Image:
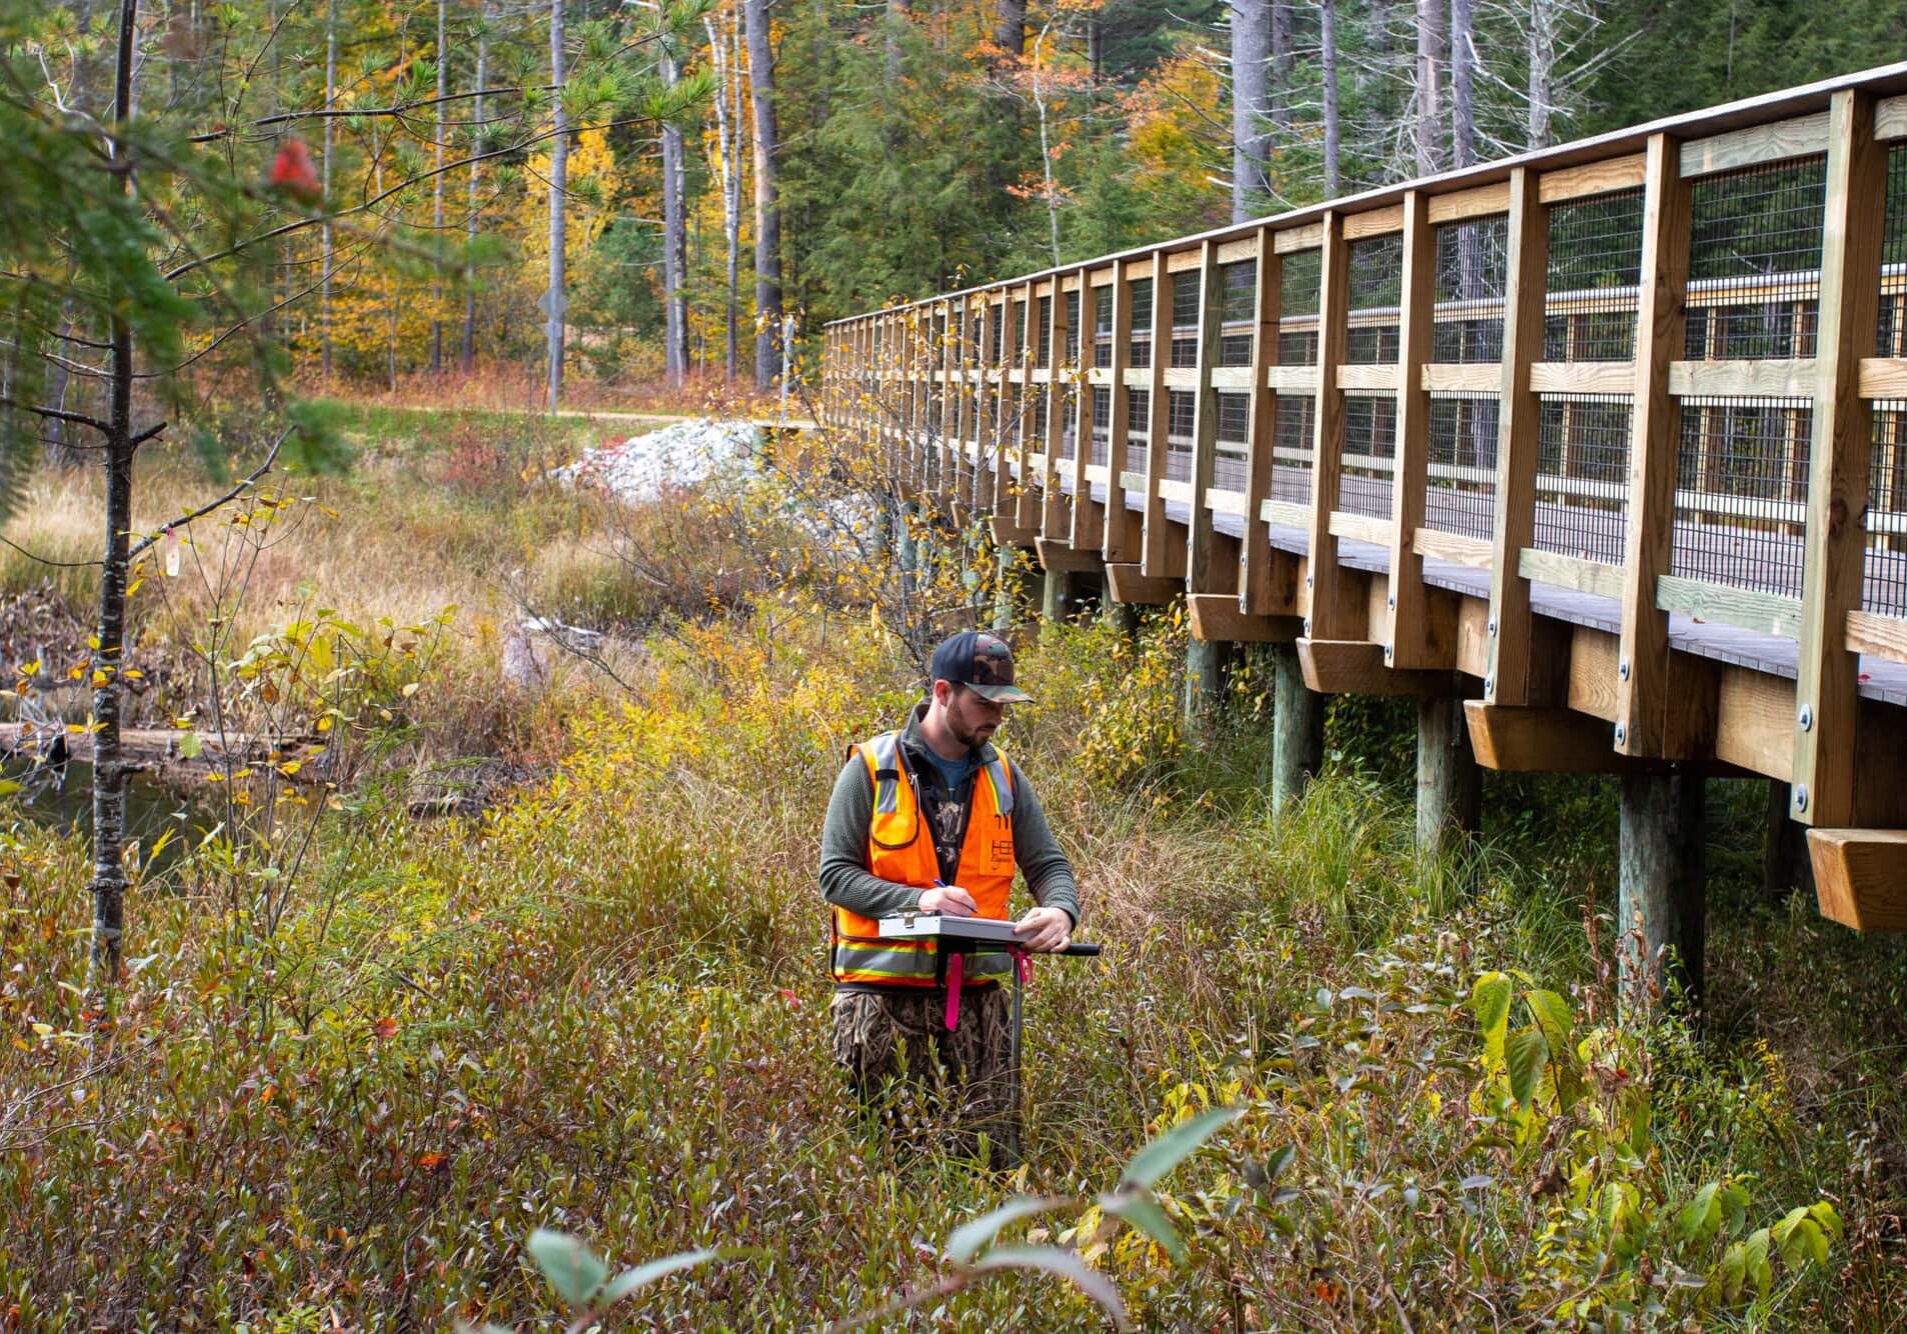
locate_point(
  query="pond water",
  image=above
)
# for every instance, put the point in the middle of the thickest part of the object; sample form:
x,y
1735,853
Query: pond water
x,y
67,806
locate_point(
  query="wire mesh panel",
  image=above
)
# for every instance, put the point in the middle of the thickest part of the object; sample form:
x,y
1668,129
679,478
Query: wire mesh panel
x,y
1181,417
1472,274
1102,423
1292,424
1138,428
1299,278
1102,327
1139,353
1043,341
1234,433
1185,311
1460,480
1885,589
1370,454
997,315
1755,261
1741,492
1375,288
1238,294
1582,475
1595,266
1068,422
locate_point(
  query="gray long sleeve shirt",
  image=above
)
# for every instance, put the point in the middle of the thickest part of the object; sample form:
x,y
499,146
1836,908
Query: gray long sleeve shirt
x,y
845,880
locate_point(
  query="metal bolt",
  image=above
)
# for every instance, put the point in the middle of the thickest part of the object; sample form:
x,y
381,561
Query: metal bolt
x,y
1392,600
1622,669
1806,717
1800,797
1622,734
1390,651
1308,581
1489,685
1493,627
1307,625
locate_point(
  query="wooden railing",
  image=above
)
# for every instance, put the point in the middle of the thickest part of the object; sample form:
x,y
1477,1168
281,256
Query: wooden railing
x,y
1615,427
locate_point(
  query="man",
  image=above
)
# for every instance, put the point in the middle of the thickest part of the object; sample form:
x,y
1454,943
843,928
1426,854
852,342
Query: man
x,y
933,819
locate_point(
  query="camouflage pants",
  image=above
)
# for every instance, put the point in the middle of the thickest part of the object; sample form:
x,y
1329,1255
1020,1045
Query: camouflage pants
x,y
930,1085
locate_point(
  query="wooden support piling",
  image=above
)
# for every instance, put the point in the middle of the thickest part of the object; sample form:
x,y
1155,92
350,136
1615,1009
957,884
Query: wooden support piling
x,y
1449,783
1661,895
1297,720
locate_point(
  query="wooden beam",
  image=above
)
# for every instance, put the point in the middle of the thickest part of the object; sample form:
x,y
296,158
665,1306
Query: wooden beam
x,y
1216,617
1860,877
1058,556
1127,583
1743,608
1375,379
1477,202
1642,687
1468,378
1026,499
1124,528
1325,609
1373,222
1799,137
1584,576
1839,455
1883,636
1583,377
1541,740
1406,641
1087,525
1210,567
1592,178
1054,520
1794,378
1255,553
1356,667
1006,533
1153,555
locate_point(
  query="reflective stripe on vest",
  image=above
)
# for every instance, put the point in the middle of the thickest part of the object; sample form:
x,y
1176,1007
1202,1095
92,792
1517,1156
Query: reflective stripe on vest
x,y
900,848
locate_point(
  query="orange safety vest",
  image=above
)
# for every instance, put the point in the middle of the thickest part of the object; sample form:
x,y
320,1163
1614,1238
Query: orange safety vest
x,y
900,848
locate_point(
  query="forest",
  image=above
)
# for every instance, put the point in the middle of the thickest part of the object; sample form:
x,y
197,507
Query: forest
x,y
437,592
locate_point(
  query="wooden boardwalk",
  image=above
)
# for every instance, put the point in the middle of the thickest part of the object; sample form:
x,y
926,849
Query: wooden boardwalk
x,y
1616,430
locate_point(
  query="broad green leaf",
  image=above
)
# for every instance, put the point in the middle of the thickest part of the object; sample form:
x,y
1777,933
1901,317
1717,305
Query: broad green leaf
x,y
644,1274
1170,1149
1830,1222
190,746
969,1237
1732,1272
1144,1213
572,1268
8,787
1701,1217
1555,1018
1800,1239
1066,1265
1755,1253
1528,1055
1734,1202
1490,999
1279,1162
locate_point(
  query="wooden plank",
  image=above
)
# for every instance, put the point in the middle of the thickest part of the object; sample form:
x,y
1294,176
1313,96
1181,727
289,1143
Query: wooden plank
x,y
1592,178
1583,377
1745,609
1590,686
1884,377
1405,635
1839,454
1183,261
1285,513
1255,554
1292,379
1088,526
1883,636
1584,576
1326,609
1799,137
1361,528
1742,379
1476,202
1289,239
1122,540
1061,557
1642,687
1470,378
1890,118
1127,583
1453,547
1157,551
1054,520
1007,533
1216,618
1233,252
1231,377
1860,877
1211,562
1374,222
1513,739
1356,667
1378,379
1754,721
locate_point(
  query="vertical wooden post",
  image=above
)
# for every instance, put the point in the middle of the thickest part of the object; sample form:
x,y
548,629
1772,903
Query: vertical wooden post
x,y
1406,639
1661,892
1153,557
1056,595
1826,681
1204,571
952,375
1297,722
1642,685
1507,677
1325,606
1088,516
1026,508
986,482
1052,498
1255,555
1449,783
1123,535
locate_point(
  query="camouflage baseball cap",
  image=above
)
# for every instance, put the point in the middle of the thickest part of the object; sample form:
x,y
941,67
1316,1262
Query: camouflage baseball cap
x,y
981,662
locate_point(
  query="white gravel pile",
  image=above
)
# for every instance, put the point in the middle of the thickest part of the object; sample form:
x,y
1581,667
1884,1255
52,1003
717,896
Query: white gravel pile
x,y
689,453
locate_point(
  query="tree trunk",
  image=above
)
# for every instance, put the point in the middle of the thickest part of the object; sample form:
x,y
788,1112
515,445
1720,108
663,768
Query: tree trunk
x,y
476,171
437,196
761,79
1463,74
109,769
674,245
1328,42
1251,53
559,189
330,103
1430,58
728,133
1281,65
1542,63
1009,26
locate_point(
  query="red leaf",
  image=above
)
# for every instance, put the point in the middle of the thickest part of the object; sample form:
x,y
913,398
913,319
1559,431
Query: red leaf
x,y
292,172
385,1028
789,995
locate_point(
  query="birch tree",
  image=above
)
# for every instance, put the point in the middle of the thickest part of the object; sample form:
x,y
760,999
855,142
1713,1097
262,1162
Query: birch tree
x,y
1252,26
727,170
557,298
761,82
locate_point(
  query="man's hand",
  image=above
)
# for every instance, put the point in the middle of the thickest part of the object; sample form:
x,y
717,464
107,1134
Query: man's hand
x,y
1044,930
949,901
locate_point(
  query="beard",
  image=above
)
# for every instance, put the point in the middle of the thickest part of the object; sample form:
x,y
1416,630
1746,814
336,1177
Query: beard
x,y
970,735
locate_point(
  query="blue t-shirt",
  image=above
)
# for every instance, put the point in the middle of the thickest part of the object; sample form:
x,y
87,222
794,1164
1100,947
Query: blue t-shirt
x,y
952,772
